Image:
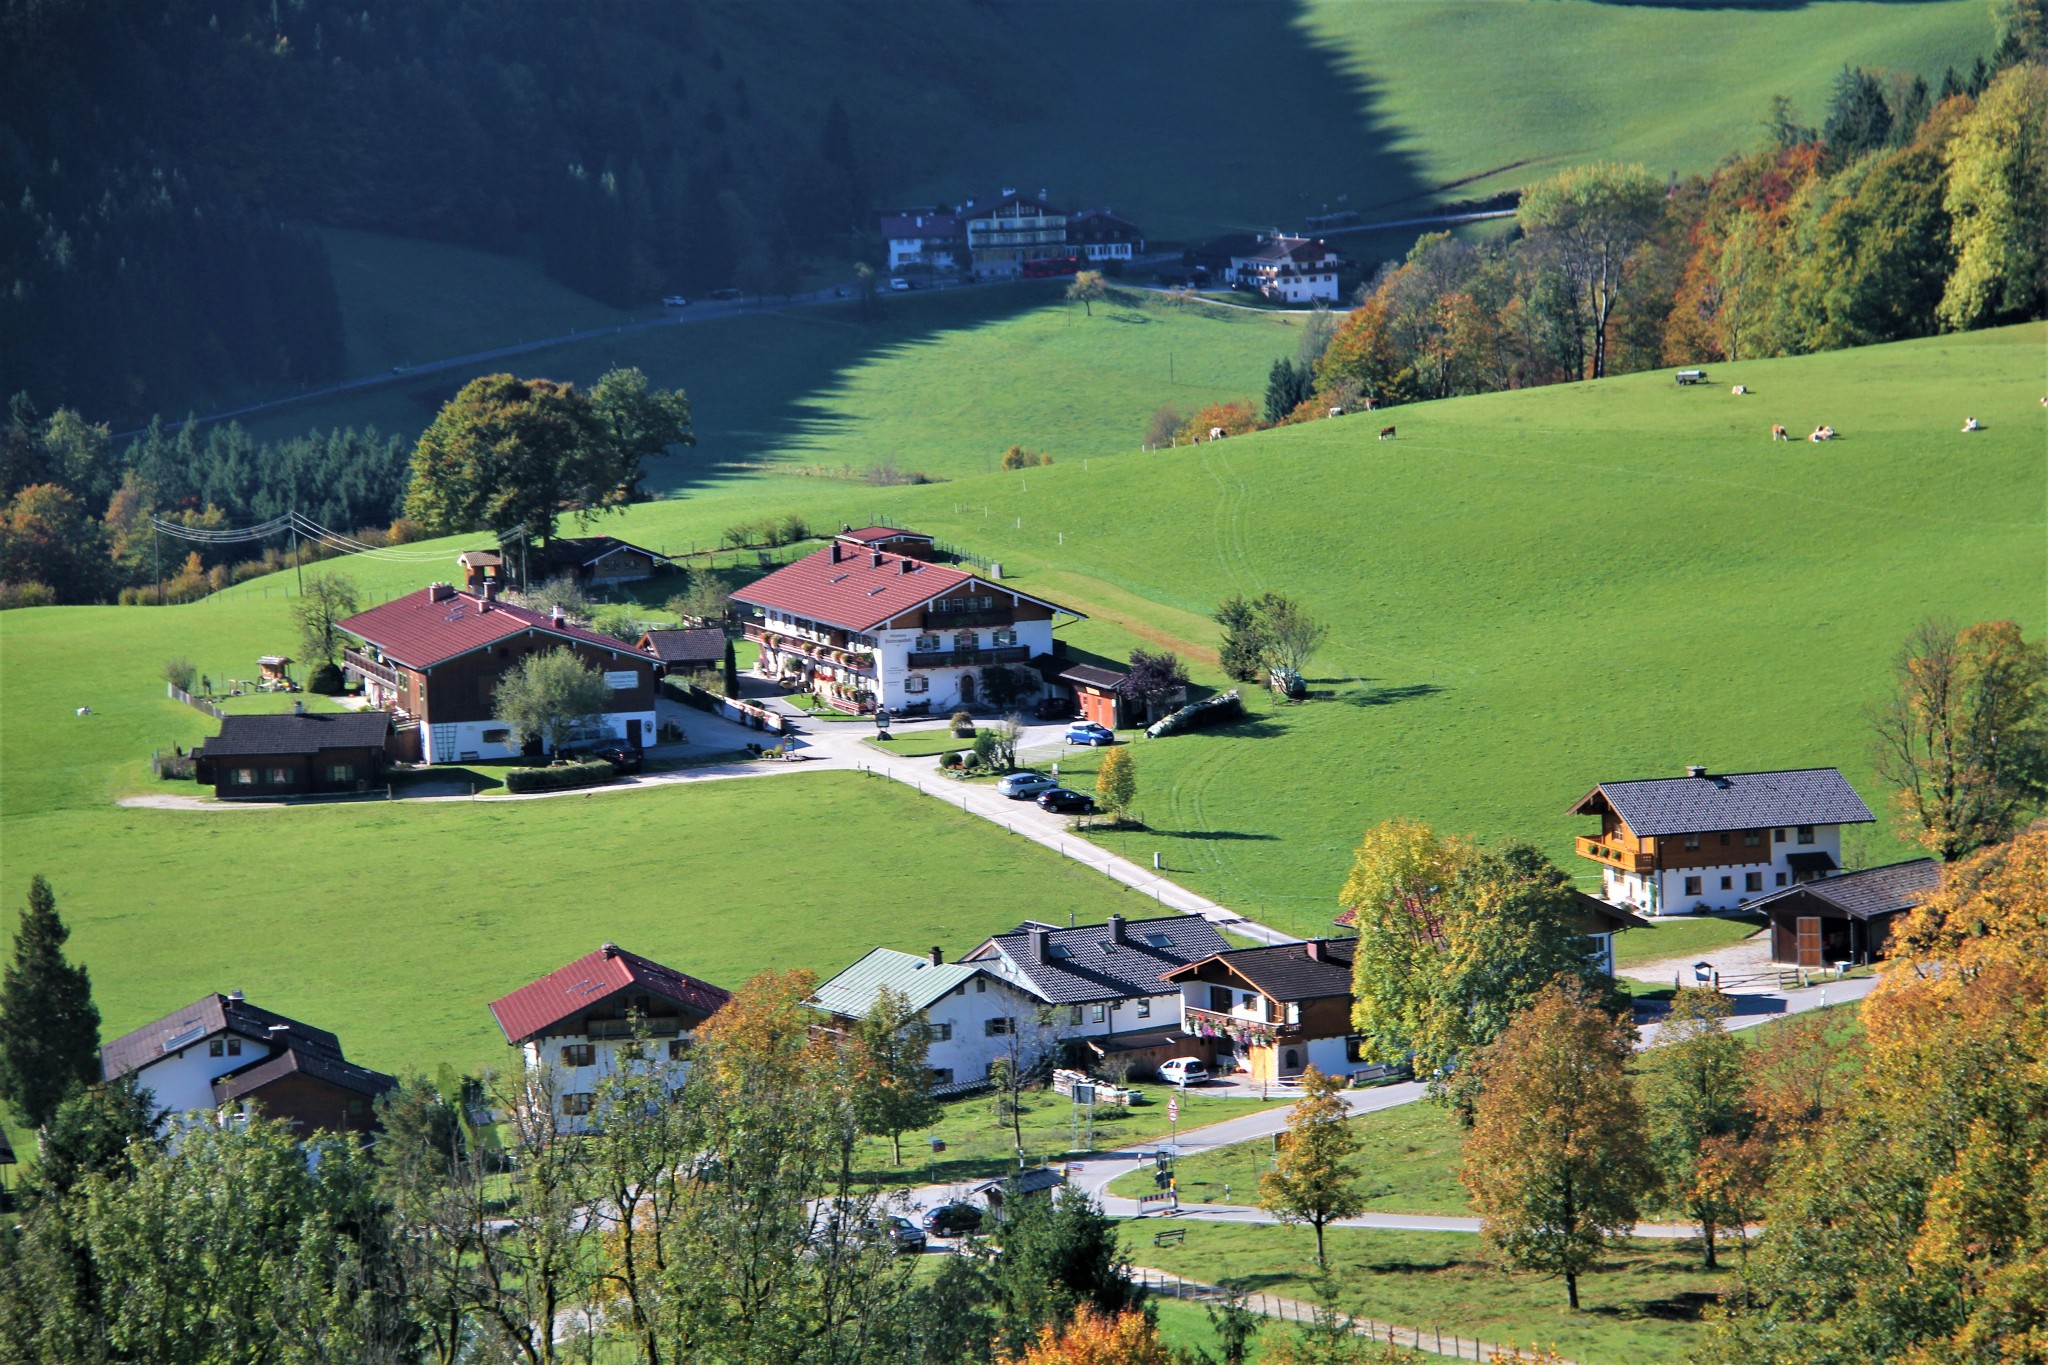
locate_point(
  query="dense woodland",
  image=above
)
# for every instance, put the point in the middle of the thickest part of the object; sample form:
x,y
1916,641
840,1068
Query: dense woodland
x,y
157,160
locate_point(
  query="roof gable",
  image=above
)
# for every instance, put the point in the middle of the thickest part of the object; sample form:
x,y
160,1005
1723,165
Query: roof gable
x,y
1287,972
591,981
1872,892
699,644
860,589
1088,962
1726,801
210,1016
420,629
923,982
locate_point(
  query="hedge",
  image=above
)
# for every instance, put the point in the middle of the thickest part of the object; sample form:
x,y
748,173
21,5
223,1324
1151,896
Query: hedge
x,y
560,777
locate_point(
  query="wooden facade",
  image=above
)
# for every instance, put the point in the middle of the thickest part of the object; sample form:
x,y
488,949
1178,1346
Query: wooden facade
x,y
241,776
464,688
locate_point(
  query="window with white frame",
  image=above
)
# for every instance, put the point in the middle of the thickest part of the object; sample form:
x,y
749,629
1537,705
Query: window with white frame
x,y
927,643
1144,1009
579,1054
1002,637
1097,1014
996,1028
942,1033
917,682
1806,834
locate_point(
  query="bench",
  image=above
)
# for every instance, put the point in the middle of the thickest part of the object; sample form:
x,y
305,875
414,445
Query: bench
x,y
1169,1237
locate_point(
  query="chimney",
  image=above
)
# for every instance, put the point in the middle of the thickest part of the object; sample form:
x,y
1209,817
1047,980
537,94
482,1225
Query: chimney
x,y
440,592
875,559
1695,770
610,950
906,565
1040,938
1315,949
938,956
837,549
557,615
236,995
488,591
1116,929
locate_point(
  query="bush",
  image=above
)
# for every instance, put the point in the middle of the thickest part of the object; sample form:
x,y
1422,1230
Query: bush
x,y
963,725
177,767
323,678
952,759
560,777
181,673
29,594
1214,711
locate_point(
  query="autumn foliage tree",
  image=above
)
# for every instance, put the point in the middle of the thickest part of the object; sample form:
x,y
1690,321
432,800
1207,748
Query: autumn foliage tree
x,y
1309,1182
1693,1105
1095,1338
1556,1162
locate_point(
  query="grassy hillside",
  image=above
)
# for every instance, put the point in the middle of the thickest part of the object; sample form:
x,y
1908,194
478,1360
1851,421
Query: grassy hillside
x,y
942,382
1480,96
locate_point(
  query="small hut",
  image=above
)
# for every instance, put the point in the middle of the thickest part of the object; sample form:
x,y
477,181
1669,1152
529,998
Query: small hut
x,y
276,672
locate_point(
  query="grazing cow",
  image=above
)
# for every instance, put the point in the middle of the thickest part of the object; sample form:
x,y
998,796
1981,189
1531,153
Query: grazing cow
x,y
1779,433
1972,424
1386,433
1739,390
1217,433
1371,403
1336,412
85,710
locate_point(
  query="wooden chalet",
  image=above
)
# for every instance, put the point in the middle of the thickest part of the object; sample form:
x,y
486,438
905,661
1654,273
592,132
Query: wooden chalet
x,y
1278,1009
295,754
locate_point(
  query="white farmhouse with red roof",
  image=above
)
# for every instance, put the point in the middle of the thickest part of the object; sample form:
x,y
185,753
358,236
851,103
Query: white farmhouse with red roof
x,y
571,1025
871,620
436,655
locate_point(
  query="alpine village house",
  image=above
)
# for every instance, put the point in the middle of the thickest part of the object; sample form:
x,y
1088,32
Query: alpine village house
x,y
1715,841
435,657
871,621
571,1025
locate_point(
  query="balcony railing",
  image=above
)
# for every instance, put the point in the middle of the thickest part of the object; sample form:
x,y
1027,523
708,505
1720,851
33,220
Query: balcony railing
x,y
354,660
969,658
1627,860
860,660
1251,1032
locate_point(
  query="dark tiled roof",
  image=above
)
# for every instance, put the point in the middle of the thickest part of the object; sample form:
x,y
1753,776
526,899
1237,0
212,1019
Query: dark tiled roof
x,y
580,550
419,630
699,645
1285,971
1094,676
304,1061
926,227
1867,894
209,1016
590,980
1610,918
1287,248
289,734
1690,805
1077,969
868,535
1037,1180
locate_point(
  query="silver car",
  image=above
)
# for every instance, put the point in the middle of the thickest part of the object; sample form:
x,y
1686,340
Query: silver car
x,y
1024,786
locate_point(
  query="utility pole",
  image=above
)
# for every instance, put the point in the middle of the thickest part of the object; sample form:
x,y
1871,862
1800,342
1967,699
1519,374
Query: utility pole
x,y
298,569
156,549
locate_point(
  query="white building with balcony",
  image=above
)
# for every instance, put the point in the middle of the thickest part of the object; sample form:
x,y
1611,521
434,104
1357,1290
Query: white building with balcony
x,y
872,621
1017,228
576,1025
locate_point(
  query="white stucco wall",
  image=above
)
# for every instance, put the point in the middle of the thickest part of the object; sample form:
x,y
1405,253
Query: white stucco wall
x,y
183,1080
463,740
569,1080
1665,892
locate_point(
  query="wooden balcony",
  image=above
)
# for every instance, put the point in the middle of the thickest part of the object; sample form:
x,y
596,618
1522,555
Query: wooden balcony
x,y
355,661
859,660
1625,860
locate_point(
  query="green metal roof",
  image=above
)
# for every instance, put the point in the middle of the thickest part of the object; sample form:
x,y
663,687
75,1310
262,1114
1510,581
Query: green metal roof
x,y
852,992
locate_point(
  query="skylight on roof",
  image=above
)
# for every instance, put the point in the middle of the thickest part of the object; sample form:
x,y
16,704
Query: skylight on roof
x,y
1060,950
1105,945
1159,940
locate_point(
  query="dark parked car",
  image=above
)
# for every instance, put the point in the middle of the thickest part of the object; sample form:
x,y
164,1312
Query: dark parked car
x,y
624,758
904,1235
952,1220
1063,801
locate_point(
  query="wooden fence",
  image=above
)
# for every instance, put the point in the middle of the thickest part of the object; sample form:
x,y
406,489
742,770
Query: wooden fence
x,y
177,693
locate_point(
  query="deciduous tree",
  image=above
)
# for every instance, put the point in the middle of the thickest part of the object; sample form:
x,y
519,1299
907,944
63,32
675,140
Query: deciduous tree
x,y
1998,198
509,454
1153,678
549,696
49,1026
638,423
1086,288
1309,1182
1292,636
1588,221
1556,1161
1092,1337
1964,735
328,598
1116,781
891,1072
1693,1108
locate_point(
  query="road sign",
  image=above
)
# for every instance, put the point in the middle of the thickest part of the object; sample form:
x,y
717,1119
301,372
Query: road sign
x,y
1173,1111
1084,1093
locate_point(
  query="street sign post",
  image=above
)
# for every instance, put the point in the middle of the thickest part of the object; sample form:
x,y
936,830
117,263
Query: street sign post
x,y
1173,1117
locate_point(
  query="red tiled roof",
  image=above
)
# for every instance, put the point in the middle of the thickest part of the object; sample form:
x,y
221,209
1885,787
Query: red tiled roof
x,y
853,592
420,631
867,534
564,993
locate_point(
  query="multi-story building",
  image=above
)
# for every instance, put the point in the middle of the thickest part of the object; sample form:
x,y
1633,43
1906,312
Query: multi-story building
x,y
572,1025
1099,235
1274,1011
1714,841
1105,985
872,621
933,240
223,1055
974,1016
436,656
1017,228
1296,269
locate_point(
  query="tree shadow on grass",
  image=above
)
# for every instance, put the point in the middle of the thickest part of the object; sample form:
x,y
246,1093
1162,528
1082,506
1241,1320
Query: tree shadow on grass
x,y
1689,1306
1208,834
1369,694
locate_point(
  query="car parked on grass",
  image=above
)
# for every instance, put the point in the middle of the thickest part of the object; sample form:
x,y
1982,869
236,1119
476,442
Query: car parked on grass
x,y
1183,1071
900,284
1089,732
675,301
953,1220
624,758
1063,801
1024,786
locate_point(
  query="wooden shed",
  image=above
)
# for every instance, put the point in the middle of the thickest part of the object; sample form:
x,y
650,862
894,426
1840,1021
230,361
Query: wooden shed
x,y
1848,918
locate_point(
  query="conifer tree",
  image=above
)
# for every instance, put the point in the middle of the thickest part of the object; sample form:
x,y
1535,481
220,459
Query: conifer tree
x,y
49,1027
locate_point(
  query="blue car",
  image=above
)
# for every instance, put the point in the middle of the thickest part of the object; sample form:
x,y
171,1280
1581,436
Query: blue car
x,y
1088,732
